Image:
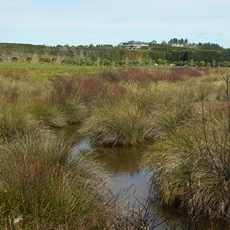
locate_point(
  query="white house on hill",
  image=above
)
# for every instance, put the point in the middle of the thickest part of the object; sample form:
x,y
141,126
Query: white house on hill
x,y
134,44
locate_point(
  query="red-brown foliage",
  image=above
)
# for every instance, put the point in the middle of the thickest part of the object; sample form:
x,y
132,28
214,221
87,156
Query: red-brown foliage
x,y
141,75
64,88
85,88
95,87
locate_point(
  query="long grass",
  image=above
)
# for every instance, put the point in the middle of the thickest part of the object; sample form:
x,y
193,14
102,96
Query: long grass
x,y
194,165
122,123
40,190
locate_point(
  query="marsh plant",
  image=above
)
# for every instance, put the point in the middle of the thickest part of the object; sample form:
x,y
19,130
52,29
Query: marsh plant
x,y
194,171
121,123
41,189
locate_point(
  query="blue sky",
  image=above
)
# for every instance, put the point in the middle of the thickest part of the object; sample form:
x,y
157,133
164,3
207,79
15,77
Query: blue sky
x,y
77,22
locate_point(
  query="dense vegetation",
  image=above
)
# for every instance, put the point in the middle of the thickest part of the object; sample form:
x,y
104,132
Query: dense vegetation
x,y
183,113
107,55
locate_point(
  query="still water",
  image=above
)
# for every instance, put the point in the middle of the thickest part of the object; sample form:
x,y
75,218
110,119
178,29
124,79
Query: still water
x,y
127,181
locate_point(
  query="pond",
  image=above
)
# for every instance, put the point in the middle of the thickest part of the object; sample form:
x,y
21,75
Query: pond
x,y
129,182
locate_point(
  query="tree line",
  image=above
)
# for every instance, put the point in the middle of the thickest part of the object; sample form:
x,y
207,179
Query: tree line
x,y
206,54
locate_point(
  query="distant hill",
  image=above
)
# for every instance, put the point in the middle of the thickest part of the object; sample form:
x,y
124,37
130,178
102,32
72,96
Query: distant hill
x,y
148,54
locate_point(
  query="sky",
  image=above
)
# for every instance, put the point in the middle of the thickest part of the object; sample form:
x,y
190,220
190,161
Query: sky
x,y
76,22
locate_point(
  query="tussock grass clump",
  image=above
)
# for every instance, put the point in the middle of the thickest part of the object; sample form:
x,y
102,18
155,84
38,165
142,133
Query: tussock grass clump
x,y
49,115
39,188
14,121
194,171
58,107
119,123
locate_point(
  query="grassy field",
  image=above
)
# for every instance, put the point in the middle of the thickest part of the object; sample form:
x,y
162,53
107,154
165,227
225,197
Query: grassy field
x,y
44,71
183,112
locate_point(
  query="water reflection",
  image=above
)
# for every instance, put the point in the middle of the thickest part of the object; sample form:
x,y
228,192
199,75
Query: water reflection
x,y
120,161
130,181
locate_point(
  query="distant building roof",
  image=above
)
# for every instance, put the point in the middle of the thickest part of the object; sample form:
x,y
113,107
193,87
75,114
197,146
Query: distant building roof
x,y
134,44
